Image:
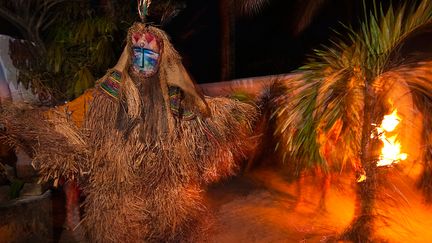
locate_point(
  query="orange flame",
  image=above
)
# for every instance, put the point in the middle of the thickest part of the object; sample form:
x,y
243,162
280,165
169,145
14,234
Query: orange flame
x,y
391,151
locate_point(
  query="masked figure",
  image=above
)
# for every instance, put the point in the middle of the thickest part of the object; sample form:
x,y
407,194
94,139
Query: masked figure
x,y
148,144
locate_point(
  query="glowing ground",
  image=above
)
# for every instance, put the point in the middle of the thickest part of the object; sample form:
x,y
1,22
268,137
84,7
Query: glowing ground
x,y
264,207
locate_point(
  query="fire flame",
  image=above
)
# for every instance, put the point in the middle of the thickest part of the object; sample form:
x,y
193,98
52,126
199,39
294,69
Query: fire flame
x,y
391,151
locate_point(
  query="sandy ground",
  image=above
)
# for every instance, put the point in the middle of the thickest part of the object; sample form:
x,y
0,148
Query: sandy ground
x,y
263,207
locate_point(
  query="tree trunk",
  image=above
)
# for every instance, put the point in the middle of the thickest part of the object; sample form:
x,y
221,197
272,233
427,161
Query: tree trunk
x,y
361,228
227,15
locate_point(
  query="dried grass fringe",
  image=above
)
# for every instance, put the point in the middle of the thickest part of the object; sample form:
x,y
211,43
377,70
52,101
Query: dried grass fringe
x,y
136,190
159,185
57,146
143,171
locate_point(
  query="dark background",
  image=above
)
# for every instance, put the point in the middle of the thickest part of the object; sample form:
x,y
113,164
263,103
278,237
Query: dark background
x,y
265,43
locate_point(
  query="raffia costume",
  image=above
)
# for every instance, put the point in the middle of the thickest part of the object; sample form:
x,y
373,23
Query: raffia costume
x,y
147,146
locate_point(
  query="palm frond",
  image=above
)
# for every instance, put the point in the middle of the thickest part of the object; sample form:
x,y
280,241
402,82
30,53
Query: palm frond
x,y
347,83
383,32
418,78
333,86
250,7
307,11
296,131
341,100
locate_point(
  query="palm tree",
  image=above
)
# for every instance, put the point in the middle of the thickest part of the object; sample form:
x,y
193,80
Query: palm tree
x,y
348,83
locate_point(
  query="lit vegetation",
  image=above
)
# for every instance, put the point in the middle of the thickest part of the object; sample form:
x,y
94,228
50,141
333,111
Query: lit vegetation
x,y
348,82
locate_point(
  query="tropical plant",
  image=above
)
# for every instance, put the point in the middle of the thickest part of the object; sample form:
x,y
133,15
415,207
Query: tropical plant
x,y
80,47
70,42
348,83
31,18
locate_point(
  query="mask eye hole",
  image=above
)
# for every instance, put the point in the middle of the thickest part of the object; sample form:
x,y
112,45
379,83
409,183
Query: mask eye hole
x,y
146,53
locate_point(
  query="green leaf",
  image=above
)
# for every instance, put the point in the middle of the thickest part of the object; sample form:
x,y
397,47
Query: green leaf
x,y
332,86
15,188
83,80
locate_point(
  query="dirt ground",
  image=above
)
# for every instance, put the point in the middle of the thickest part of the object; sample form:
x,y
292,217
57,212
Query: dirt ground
x,y
263,207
